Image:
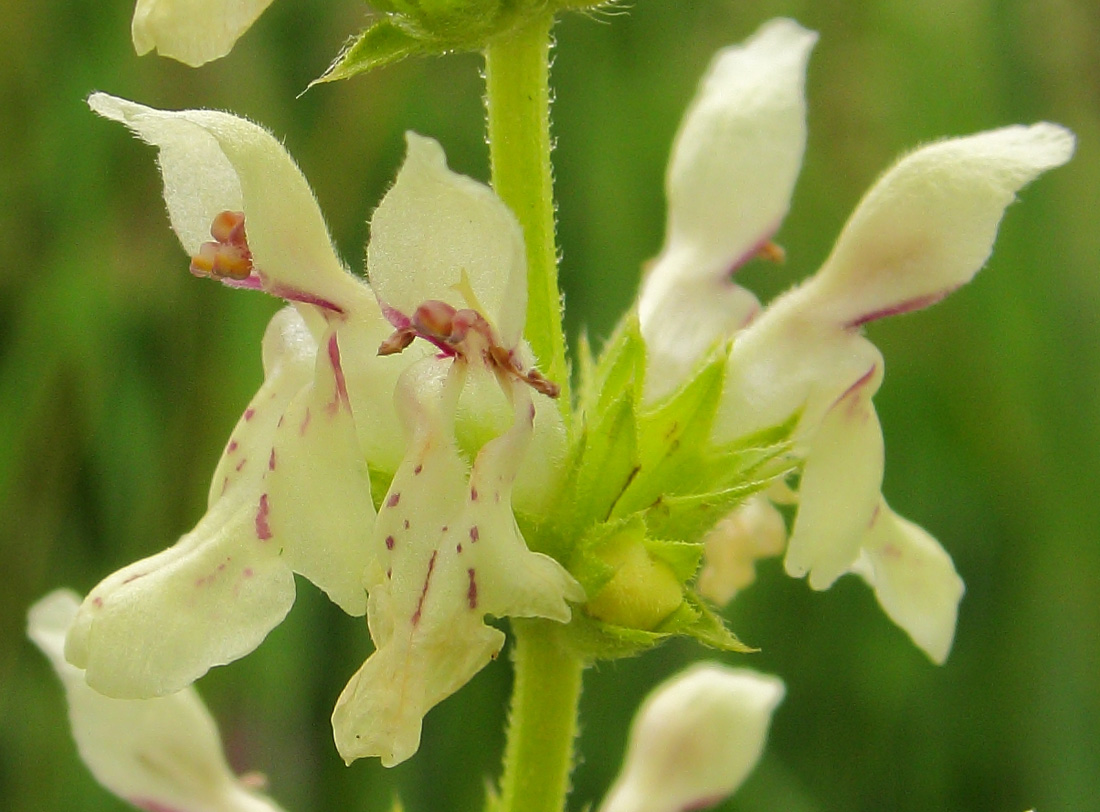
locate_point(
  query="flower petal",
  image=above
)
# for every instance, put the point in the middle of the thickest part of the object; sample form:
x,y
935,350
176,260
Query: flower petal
x,y
695,740
192,31
928,225
840,486
158,753
448,553
914,580
734,165
290,494
755,529
316,490
214,162
433,227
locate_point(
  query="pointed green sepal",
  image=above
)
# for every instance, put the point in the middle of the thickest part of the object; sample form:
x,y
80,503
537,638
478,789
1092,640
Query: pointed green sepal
x,y
695,619
620,369
671,437
381,43
604,461
593,639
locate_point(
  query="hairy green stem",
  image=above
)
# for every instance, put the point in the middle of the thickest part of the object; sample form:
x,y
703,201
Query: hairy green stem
x,y
543,721
517,101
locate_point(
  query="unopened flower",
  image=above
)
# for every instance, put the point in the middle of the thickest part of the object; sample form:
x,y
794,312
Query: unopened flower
x,y
292,492
695,739
157,754
923,230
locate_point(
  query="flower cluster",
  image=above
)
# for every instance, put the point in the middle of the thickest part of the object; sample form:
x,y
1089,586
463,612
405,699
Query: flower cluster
x,y
406,455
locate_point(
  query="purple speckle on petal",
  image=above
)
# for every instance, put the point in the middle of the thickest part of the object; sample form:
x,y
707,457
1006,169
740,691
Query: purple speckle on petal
x,y
305,423
458,547
418,469
97,602
263,529
249,413
393,500
471,591
271,461
240,464
473,493
389,542
475,534
229,449
406,524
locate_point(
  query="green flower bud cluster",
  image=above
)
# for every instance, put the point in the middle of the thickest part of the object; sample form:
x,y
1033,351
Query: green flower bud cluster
x,y
645,486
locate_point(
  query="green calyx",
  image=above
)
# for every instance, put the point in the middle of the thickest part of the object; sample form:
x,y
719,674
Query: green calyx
x,y
646,485
432,27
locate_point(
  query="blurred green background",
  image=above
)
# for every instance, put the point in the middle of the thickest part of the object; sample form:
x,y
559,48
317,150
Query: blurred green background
x,y
121,375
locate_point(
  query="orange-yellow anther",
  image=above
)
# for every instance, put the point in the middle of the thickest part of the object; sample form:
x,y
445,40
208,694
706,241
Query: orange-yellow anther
x,y
771,252
228,228
228,256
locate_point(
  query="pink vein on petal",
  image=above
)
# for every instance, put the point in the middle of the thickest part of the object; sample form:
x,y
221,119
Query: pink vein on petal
x,y
424,591
916,303
855,387
338,372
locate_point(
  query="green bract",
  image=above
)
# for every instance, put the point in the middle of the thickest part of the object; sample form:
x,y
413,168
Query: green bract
x,y
426,27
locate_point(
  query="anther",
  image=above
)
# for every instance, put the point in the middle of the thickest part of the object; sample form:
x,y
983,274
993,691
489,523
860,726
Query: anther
x,y
228,256
771,252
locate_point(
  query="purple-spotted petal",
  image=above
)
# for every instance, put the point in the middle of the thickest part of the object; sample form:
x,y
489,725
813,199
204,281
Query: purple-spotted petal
x,y
291,494
448,552
157,754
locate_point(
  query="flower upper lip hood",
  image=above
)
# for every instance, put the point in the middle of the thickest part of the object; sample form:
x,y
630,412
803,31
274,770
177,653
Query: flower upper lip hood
x,y
924,229
292,492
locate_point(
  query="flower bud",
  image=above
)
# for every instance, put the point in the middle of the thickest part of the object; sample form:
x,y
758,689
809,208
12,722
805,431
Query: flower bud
x,y
695,739
644,590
